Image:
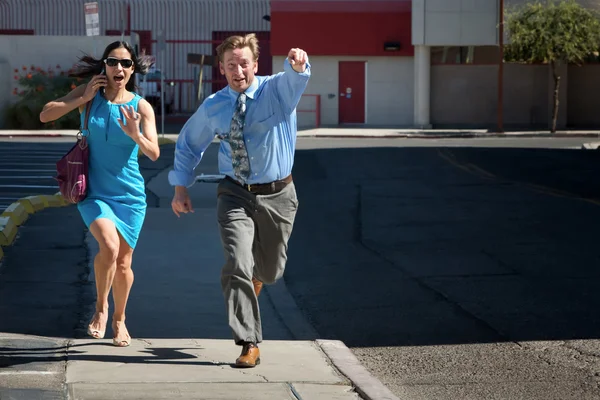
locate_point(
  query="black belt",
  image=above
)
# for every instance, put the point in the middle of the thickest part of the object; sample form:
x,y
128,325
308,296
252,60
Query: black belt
x,y
263,188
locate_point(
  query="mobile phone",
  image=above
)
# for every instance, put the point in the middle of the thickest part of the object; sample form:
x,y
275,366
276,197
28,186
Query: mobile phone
x,y
103,72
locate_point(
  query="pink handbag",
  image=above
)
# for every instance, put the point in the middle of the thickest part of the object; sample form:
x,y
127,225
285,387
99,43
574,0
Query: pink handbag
x,y
72,168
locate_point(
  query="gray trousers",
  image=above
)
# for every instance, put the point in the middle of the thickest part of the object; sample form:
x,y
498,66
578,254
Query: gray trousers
x,y
255,230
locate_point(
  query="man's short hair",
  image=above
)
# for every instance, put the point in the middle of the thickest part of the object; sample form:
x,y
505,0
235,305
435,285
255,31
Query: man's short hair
x,y
239,42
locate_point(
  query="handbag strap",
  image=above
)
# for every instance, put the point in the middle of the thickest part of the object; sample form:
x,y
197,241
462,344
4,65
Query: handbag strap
x,y
88,108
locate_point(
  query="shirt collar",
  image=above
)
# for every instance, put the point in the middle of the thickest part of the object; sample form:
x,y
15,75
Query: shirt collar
x,y
250,92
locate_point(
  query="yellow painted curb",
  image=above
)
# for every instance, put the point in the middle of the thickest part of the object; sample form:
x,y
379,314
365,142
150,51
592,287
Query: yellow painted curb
x,y
51,201
1,254
8,230
32,203
61,199
18,213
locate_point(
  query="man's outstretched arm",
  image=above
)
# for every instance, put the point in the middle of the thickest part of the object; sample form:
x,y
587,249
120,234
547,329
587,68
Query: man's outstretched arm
x,y
292,82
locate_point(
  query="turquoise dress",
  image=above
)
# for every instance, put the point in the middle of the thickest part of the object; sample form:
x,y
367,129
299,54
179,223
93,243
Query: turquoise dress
x,y
116,187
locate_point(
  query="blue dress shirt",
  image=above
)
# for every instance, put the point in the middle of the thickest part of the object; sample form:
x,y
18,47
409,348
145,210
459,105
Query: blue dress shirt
x,y
269,129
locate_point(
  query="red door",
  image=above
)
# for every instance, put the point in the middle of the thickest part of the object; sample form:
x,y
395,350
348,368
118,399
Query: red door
x,y
352,92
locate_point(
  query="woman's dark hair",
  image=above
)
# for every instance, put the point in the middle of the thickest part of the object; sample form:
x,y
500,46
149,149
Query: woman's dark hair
x,y
88,66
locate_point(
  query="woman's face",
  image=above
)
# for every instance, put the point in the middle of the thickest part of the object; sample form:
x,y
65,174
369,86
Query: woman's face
x,y
119,67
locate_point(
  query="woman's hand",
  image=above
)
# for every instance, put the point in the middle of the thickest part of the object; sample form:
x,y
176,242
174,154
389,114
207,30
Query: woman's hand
x,y
93,86
132,118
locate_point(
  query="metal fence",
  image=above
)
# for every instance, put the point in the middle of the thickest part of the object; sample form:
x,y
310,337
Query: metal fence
x,y
188,26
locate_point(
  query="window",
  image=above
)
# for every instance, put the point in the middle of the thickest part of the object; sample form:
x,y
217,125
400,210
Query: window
x,y
455,55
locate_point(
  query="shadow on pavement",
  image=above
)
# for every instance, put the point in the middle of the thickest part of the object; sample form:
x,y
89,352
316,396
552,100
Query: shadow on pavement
x,y
428,246
10,357
391,247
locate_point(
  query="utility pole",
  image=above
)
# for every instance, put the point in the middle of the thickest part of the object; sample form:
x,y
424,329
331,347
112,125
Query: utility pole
x,y
501,69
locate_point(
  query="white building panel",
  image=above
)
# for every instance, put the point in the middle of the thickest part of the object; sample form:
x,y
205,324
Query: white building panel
x,y
455,22
389,90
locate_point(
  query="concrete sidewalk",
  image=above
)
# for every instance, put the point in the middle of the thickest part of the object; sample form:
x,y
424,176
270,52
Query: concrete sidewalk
x,y
366,132
182,346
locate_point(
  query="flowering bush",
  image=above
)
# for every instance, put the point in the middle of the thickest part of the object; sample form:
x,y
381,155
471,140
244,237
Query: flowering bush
x,y
36,87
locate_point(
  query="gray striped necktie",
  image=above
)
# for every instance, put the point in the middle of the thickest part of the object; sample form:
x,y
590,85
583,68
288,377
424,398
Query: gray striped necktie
x,y
239,155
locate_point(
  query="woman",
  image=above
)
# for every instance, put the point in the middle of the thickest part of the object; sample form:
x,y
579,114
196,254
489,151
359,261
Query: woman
x,y
115,207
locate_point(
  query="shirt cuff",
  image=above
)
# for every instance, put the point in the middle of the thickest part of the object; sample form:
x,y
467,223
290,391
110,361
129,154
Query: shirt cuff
x,y
177,178
288,66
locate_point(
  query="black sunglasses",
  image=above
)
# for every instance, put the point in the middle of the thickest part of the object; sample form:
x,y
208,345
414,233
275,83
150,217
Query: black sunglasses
x,y
112,62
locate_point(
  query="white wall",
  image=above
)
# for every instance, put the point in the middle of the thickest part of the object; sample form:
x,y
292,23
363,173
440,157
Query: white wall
x,y
463,22
43,52
390,90
455,22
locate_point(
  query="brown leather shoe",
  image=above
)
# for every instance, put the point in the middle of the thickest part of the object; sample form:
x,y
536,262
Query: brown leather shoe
x,y
250,356
257,286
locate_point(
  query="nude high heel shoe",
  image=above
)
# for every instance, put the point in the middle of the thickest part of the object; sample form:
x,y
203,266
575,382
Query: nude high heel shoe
x,y
116,326
96,333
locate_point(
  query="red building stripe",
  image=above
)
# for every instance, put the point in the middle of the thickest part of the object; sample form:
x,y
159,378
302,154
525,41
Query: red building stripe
x,y
345,6
345,29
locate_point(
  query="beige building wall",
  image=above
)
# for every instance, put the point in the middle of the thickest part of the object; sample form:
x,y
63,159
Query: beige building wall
x,y
463,93
467,96
584,96
389,90
527,92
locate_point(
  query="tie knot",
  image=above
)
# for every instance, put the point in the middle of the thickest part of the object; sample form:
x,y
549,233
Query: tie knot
x,y
242,98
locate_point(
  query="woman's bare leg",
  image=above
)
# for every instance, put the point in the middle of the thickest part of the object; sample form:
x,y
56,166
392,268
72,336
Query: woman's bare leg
x,y
122,284
105,263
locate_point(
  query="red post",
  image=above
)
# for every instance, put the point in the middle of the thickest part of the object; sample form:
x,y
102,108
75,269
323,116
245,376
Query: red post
x,y
318,111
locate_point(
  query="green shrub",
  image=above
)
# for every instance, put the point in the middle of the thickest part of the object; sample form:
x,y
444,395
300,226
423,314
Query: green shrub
x,y
36,87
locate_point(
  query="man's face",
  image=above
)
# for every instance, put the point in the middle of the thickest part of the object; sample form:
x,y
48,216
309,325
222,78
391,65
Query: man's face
x,y
239,67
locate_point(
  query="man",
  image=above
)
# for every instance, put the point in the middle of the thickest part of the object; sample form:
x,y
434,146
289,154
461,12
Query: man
x,y
255,118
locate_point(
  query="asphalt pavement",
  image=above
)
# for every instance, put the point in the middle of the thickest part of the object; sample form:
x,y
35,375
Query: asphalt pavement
x,y
181,347
456,270
28,169
453,269
46,294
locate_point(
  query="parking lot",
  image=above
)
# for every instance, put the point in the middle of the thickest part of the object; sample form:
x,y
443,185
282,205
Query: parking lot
x,y
28,168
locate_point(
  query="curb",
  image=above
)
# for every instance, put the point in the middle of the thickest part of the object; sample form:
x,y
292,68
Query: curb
x,y
367,386
591,146
285,306
453,136
339,355
33,204
18,212
335,352
8,230
400,134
